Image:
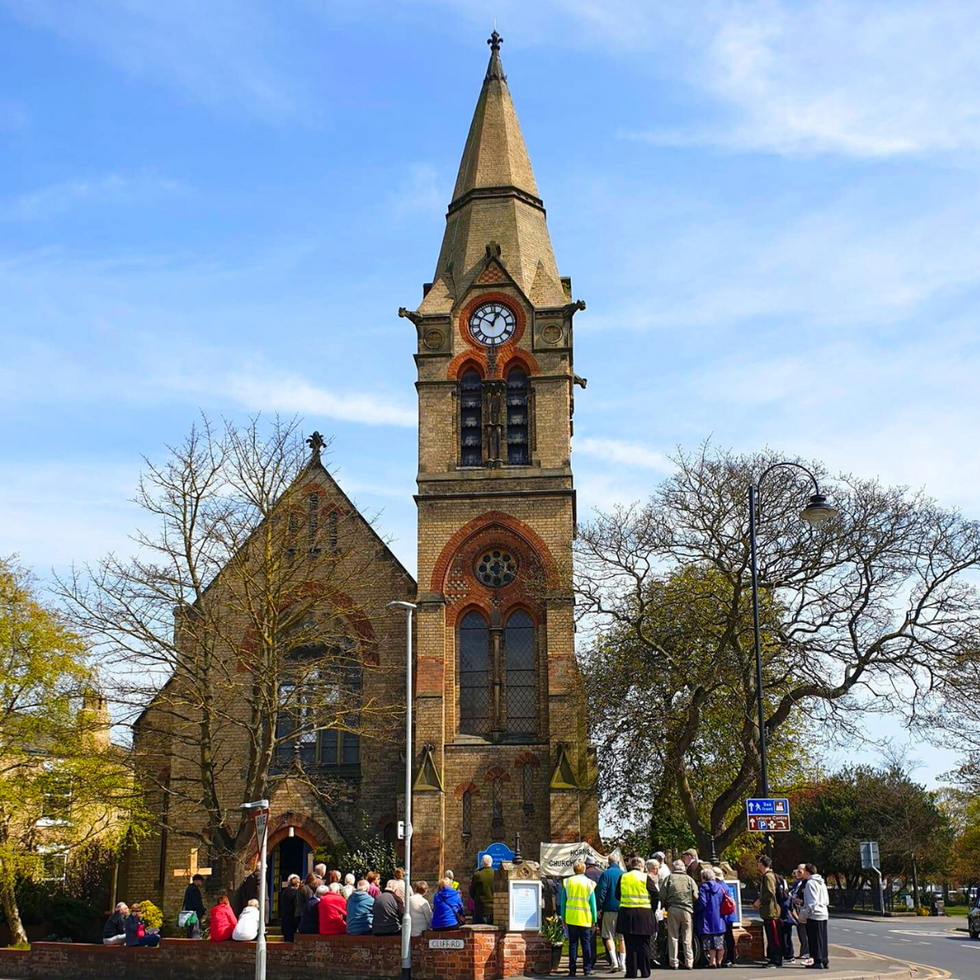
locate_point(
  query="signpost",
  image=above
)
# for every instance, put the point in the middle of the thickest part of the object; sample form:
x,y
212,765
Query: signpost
x,y
260,810
767,816
871,861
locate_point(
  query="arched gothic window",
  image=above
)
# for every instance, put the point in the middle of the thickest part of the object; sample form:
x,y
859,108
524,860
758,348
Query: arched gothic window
x,y
527,788
518,447
467,814
474,675
470,419
497,804
520,661
320,683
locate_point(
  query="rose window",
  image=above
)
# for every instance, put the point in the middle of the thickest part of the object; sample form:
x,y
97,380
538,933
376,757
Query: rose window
x,y
496,568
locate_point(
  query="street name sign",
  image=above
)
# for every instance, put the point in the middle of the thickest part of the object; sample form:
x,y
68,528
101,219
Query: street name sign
x,y
767,816
446,944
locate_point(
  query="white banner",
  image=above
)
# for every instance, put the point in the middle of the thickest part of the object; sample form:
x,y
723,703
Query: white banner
x,y
557,859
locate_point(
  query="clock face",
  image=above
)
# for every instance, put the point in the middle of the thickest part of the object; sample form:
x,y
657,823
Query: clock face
x,y
492,324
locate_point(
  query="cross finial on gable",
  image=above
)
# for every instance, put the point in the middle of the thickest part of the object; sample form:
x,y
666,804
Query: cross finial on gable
x,y
316,442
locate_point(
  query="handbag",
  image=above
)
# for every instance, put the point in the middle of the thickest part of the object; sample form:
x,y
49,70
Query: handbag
x,y
185,918
460,915
727,905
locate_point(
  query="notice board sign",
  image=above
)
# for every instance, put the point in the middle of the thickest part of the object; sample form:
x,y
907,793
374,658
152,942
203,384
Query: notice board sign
x,y
524,905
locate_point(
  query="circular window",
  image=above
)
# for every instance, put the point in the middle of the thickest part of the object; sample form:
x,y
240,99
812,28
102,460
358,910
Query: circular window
x,y
496,568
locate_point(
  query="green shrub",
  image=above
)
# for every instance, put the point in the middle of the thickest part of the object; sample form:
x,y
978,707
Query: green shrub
x,y
76,919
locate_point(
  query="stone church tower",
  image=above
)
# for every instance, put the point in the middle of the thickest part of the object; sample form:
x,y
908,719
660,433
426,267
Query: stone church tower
x,y
501,738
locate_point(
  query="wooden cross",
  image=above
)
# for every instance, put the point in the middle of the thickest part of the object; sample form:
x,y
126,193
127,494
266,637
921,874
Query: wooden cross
x,y
193,869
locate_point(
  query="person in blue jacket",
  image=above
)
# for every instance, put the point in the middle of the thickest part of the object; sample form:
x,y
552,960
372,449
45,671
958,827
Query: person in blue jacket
x,y
712,922
605,899
360,910
447,907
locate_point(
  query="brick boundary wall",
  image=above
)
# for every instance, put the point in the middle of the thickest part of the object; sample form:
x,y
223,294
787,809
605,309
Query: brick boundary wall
x,y
488,953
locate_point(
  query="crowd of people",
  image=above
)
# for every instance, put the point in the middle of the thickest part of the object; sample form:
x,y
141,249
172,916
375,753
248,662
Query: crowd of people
x,y
651,914
323,904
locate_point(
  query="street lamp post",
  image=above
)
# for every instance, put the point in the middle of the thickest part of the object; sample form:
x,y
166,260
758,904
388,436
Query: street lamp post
x,y
409,608
260,808
816,512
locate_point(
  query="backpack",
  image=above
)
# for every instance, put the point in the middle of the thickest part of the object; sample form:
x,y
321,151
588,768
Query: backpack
x,y
727,905
781,892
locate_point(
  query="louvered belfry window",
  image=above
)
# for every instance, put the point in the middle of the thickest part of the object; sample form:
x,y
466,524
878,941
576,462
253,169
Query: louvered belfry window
x,y
518,449
470,419
474,675
519,654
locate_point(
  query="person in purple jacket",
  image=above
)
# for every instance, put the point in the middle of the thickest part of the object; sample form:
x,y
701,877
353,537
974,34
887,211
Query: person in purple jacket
x,y
712,921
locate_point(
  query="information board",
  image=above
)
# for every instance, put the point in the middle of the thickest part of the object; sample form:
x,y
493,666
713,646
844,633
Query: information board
x,y
524,904
768,816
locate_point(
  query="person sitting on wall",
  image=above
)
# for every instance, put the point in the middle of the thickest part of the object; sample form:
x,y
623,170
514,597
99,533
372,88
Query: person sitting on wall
x,y
372,879
447,906
388,911
136,934
420,909
360,911
223,919
349,882
332,912
247,927
309,921
114,933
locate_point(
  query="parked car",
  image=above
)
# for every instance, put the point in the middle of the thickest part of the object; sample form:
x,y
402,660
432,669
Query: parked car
x,y
973,920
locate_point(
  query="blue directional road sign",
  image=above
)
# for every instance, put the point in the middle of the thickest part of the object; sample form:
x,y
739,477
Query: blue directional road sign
x,y
768,816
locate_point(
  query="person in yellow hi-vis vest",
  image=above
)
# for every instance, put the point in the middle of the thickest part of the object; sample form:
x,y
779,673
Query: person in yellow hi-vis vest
x,y
638,900
578,910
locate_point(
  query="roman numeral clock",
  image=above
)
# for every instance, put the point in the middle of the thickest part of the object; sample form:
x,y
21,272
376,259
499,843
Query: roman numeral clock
x,y
492,324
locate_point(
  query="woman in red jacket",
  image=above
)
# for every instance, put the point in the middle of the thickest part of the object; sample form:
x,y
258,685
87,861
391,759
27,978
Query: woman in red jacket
x,y
333,912
223,920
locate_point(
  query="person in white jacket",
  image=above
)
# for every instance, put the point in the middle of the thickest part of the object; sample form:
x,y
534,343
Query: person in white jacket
x,y
247,929
815,913
420,909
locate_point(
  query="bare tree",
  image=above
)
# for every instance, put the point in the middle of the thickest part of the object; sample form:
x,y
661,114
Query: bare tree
x,y
866,614
233,630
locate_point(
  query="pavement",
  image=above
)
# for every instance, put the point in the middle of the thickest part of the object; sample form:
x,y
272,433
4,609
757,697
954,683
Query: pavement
x,y
845,964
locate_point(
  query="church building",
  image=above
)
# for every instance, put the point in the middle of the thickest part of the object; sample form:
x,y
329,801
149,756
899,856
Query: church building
x,y
501,741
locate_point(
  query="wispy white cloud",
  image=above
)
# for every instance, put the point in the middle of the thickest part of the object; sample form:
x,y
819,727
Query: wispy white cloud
x,y
423,190
291,393
219,53
622,452
114,190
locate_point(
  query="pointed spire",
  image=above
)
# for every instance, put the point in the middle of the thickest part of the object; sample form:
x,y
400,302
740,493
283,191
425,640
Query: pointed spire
x,y
495,199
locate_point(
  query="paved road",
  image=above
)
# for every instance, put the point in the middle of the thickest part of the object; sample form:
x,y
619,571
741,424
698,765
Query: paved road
x,y
933,942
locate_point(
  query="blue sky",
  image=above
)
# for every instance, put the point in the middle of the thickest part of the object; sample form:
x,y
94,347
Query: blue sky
x,y
770,208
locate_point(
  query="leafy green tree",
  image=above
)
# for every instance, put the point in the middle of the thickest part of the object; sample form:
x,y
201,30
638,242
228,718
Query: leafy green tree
x,y
62,784
874,601
862,803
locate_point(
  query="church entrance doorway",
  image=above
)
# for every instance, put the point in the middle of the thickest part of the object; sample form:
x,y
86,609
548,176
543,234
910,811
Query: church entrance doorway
x,y
291,856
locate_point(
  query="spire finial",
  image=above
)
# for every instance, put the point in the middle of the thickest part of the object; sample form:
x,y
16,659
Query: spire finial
x,y
495,40
316,442
495,69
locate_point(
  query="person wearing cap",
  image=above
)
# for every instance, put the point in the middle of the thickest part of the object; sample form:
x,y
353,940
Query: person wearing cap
x,y
608,906
592,870
638,901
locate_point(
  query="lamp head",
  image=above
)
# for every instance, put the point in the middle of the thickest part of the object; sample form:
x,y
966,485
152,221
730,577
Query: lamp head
x,y
817,512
